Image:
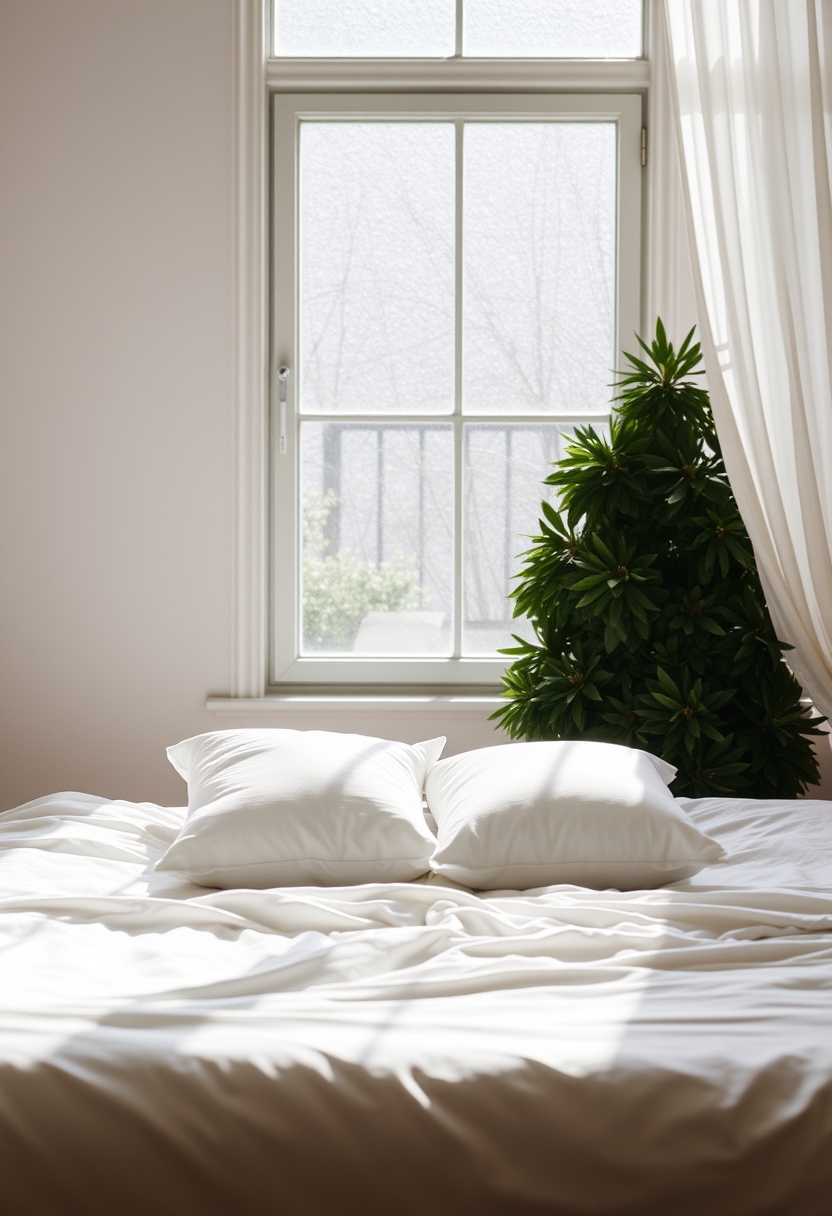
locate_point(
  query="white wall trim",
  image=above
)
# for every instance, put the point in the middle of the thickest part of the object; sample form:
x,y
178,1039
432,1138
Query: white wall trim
x,y
250,350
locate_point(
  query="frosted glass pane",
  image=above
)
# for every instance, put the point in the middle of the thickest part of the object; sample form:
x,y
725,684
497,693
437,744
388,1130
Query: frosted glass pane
x,y
503,468
364,27
377,267
558,29
378,549
539,243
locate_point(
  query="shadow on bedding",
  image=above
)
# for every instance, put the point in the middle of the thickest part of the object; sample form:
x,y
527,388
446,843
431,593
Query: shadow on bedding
x,y
165,1111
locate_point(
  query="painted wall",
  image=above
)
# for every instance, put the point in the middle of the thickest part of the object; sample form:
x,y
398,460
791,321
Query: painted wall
x,y
115,421
115,270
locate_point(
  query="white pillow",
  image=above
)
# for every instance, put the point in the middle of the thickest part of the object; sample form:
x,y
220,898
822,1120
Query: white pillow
x,y
589,814
269,808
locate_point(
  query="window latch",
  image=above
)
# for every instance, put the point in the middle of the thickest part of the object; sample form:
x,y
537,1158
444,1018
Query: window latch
x,y
282,376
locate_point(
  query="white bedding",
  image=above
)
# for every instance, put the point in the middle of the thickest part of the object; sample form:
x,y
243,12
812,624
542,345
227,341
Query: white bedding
x,y
412,1047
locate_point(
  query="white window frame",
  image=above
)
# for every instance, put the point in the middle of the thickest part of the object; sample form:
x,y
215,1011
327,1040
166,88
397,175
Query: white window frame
x,y
289,111
257,667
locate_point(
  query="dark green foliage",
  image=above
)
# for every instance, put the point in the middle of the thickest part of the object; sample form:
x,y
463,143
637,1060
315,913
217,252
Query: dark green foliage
x,y
643,592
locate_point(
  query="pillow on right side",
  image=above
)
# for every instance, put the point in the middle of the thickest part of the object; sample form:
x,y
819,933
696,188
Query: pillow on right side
x,y
590,814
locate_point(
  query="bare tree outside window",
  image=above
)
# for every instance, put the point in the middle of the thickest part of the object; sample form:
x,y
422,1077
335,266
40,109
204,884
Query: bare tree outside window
x,y
382,567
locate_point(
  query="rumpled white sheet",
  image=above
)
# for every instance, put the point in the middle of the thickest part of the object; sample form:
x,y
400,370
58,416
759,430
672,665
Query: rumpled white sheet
x,y
409,1048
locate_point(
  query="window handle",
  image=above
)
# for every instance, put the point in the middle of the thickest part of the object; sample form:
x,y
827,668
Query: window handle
x,y
283,376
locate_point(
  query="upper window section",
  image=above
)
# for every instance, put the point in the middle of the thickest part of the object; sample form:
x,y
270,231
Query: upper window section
x,y
340,29
441,29
552,29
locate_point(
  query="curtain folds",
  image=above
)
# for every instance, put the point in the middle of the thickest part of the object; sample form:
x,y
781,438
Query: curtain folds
x,y
750,93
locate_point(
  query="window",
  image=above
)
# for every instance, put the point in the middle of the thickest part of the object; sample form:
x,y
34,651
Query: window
x,y
451,276
559,29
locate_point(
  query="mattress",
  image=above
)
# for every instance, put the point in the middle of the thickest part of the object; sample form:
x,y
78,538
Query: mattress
x,y
415,1047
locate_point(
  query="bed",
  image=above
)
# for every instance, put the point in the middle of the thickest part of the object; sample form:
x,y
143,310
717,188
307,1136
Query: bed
x,y
412,1047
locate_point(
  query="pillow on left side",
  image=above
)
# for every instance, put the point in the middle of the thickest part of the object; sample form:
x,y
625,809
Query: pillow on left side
x,y
277,808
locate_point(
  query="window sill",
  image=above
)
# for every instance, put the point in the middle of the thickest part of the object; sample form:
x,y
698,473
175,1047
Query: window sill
x,y
298,704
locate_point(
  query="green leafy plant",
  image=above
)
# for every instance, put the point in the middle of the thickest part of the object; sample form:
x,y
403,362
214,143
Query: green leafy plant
x,y
339,589
650,624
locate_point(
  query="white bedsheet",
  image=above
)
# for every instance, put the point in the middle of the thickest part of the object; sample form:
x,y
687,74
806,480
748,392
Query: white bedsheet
x,y
410,1048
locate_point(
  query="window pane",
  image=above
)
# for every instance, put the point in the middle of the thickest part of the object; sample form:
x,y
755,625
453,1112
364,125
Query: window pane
x,y
503,468
558,29
539,267
378,545
364,27
377,267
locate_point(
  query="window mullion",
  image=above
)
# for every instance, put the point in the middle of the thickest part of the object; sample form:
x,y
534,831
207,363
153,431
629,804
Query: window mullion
x,y
458,472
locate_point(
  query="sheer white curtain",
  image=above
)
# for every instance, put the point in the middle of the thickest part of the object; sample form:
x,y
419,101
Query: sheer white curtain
x,y
670,290
750,90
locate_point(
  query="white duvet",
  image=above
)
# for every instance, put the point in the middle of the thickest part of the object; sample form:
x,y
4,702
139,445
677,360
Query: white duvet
x,y
412,1047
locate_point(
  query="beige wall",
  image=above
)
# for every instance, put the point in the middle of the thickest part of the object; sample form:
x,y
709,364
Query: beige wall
x,y
115,239
115,422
